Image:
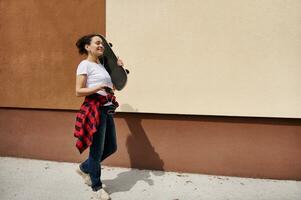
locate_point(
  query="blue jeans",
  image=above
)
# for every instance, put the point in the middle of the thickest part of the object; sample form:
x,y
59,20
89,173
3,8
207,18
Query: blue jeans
x,y
103,145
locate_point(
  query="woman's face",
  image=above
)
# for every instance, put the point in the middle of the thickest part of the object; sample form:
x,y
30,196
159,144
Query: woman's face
x,y
96,47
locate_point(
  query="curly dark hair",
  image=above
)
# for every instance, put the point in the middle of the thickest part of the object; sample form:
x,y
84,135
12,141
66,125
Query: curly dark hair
x,y
81,43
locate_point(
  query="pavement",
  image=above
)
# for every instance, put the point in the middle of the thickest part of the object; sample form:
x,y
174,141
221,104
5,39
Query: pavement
x,y
27,179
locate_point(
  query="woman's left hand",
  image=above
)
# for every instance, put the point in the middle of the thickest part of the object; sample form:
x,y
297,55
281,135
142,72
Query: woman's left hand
x,y
119,62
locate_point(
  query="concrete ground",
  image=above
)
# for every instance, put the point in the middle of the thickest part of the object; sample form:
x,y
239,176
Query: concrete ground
x,y
26,179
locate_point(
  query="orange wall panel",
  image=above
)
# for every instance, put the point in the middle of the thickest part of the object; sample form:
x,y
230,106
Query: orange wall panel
x,y
38,56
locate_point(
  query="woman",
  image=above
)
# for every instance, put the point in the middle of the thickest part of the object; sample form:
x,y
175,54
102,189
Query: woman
x,y
94,126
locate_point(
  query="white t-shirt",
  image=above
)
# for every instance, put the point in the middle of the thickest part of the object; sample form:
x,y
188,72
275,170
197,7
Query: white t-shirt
x,y
96,75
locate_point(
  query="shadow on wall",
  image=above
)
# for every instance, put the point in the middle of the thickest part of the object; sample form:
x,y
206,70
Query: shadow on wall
x,y
142,153
142,156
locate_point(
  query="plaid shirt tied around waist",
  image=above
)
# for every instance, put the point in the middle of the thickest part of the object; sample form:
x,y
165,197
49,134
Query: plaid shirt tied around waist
x,y
88,118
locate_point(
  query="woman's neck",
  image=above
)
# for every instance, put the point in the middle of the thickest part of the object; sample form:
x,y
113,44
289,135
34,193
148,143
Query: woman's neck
x,y
93,59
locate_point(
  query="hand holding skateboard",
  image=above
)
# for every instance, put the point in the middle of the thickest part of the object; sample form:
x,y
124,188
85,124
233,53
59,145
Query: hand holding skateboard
x,y
119,62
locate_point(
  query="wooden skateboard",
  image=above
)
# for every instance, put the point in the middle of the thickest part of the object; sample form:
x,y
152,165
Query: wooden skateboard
x,y
109,60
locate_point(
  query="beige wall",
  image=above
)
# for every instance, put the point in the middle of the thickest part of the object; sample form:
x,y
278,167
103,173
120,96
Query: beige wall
x,y
38,57
229,57
237,58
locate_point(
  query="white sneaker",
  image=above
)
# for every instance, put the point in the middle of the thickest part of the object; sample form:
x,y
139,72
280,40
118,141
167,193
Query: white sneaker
x,y
85,176
101,195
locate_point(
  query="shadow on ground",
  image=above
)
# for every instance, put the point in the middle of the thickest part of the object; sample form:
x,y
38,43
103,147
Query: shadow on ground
x,y
125,181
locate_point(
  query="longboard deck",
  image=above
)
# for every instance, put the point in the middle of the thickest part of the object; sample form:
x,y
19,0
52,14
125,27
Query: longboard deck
x,y
109,60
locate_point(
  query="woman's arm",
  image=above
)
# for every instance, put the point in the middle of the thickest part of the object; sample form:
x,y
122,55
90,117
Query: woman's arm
x,y
81,89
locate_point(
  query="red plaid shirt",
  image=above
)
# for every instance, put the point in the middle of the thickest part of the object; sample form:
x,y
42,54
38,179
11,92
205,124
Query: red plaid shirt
x,y
88,119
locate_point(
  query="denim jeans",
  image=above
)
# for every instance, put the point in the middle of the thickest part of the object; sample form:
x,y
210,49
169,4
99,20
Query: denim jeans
x,y
103,145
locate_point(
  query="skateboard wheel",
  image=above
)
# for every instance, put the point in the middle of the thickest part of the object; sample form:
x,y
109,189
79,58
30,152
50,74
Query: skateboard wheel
x,y
111,45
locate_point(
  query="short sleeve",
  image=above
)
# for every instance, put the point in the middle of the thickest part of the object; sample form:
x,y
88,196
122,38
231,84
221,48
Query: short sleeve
x,y
82,68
